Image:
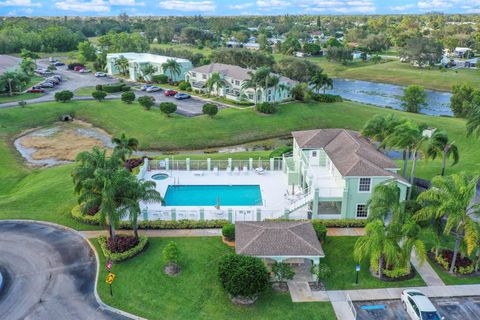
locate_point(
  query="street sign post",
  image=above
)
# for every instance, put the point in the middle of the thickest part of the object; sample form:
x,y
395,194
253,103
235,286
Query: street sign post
x,y
109,265
357,269
109,281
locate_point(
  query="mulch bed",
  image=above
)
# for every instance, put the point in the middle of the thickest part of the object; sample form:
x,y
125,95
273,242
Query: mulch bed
x,y
431,257
228,243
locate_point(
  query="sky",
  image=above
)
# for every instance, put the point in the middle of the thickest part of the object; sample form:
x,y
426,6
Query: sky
x,y
230,7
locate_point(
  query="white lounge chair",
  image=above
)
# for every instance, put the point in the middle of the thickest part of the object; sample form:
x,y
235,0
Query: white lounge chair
x,y
259,170
215,171
236,171
245,170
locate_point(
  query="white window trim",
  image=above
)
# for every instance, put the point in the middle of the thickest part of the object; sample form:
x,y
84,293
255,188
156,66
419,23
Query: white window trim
x,y
369,187
356,211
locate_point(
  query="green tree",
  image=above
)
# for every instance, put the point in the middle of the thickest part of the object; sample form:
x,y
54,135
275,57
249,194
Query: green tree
x,y
171,253
379,245
146,101
28,66
172,67
414,98
450,198
99,95
320,81
27,54
12,81
122,64
340,54
214,81
321,272
124,146
63,96
147,70
422,51
440,145
128,97
168,108
282,271
87,51
380,127
210,109
460,101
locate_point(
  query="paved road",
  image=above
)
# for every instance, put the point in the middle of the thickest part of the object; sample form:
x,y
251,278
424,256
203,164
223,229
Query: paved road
x,y
49,273
467,308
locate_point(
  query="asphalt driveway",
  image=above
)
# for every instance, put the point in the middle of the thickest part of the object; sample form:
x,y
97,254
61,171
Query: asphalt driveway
x,y
49,274
467,308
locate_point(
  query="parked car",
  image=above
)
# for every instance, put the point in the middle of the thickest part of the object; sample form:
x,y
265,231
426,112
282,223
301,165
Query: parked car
x,y
39,70
84,71
181,96
36,90
153,89
78,68
100,74
53,80
170,93
47,85
418,306
52,59
36,87
58,64
57,76
144,87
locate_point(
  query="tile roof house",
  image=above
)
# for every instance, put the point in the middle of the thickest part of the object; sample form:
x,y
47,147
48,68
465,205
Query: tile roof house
x,y
337,169
278,240
234,77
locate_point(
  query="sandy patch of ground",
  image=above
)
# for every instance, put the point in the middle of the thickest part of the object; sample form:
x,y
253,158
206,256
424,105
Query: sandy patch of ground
x,y
61,142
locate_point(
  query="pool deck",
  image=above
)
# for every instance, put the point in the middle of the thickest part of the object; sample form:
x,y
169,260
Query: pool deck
x,y
273,187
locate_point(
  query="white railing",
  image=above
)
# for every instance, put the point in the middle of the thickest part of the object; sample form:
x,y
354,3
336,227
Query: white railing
x,y
336,192
302,201
275,164
351,306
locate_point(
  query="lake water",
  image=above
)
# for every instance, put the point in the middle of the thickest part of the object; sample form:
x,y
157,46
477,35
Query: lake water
x,y
388,95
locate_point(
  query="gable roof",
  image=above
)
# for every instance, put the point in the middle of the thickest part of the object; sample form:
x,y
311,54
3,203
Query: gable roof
x,y
277,238
352,154
235,72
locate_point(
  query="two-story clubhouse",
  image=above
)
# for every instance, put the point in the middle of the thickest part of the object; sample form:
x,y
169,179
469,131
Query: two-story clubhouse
x,y
234,77
337,170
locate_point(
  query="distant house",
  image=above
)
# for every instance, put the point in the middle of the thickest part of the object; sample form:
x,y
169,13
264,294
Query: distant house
x,y
233,78
137,61
251,46
233,44
357,54
460,52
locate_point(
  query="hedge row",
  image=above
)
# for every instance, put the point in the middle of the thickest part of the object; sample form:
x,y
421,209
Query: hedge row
x,y
327,98
334,223
114,87
117,257
153,224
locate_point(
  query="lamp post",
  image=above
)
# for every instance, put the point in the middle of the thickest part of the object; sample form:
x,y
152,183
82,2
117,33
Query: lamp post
x,y
357,269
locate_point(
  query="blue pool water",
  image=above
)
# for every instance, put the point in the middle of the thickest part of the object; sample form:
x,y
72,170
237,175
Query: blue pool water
x,y
211,195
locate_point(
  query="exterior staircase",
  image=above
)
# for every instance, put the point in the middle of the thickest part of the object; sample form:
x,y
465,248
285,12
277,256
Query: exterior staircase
x,y
299,203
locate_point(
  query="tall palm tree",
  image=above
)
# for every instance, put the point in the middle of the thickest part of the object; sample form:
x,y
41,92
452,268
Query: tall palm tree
x,y
215,81
122,64
251,84
88,162
408,136
379,245
173,68
262,77
450,198
274,83
11,80
317,81
124,146
139,190
473,122
385,203
412,241
380,127
147,70
328,83
440,145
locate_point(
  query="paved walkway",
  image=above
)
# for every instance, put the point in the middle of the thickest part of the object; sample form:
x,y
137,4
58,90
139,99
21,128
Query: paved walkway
x,y
425,270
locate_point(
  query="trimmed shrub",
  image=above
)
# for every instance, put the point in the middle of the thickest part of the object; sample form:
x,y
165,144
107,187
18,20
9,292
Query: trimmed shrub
x,y
228,231
210,109
243,276
22,103
99,95
335,223
184,85
396,272
463,265
265,107
282,271
85,218
130,253
99,87
326,98
72,65
280,151
146,101
160,78
320,230
63,96
128,97
112,88
125,88
122,243
168,108
170,253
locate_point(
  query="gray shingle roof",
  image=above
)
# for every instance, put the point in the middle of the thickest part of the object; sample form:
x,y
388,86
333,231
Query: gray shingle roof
x,y
352,154
277,238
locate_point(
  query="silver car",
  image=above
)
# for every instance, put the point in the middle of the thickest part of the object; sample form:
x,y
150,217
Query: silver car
x,y
153,89
418,306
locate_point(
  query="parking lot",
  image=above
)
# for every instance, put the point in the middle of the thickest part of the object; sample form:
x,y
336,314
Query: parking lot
x,y
467,308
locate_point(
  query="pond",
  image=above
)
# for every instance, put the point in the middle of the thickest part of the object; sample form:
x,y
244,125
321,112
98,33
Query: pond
x,y
388,95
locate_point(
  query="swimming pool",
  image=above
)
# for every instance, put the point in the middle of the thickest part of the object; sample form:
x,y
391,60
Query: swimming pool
x,y
212,195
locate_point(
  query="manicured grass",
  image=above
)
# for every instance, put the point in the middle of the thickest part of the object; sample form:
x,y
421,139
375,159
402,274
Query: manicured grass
x,y
196,292
452,279
85,91
205,51
19,97
339,257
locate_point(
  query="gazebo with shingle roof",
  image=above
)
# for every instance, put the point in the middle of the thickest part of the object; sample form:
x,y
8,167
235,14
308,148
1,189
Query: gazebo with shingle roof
x,y
278,240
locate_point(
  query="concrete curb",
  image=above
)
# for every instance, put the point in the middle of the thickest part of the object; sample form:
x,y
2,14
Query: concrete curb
x,y
102,305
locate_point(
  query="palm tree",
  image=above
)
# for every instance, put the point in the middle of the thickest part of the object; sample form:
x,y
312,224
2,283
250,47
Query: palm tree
x,y
440,144
450,198
147,70
380,127
408,136
379,244
173,68
140,190
88,162
251,84
473,123
28,66
412,241
274,83
262,78
122,64
385,203
317,81
124,146
12,80
216,81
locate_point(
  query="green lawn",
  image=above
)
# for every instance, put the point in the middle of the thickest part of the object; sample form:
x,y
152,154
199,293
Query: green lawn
x,y
47,193
23,96
85,91
205,51
143,289
339,257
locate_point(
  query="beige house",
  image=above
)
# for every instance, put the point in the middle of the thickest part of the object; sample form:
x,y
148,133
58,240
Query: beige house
x,y
233,78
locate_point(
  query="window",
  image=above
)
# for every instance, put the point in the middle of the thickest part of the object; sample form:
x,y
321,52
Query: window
x,y
314,153
269,91
364,185
237,82
250,96
362,211
204,76
194,74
